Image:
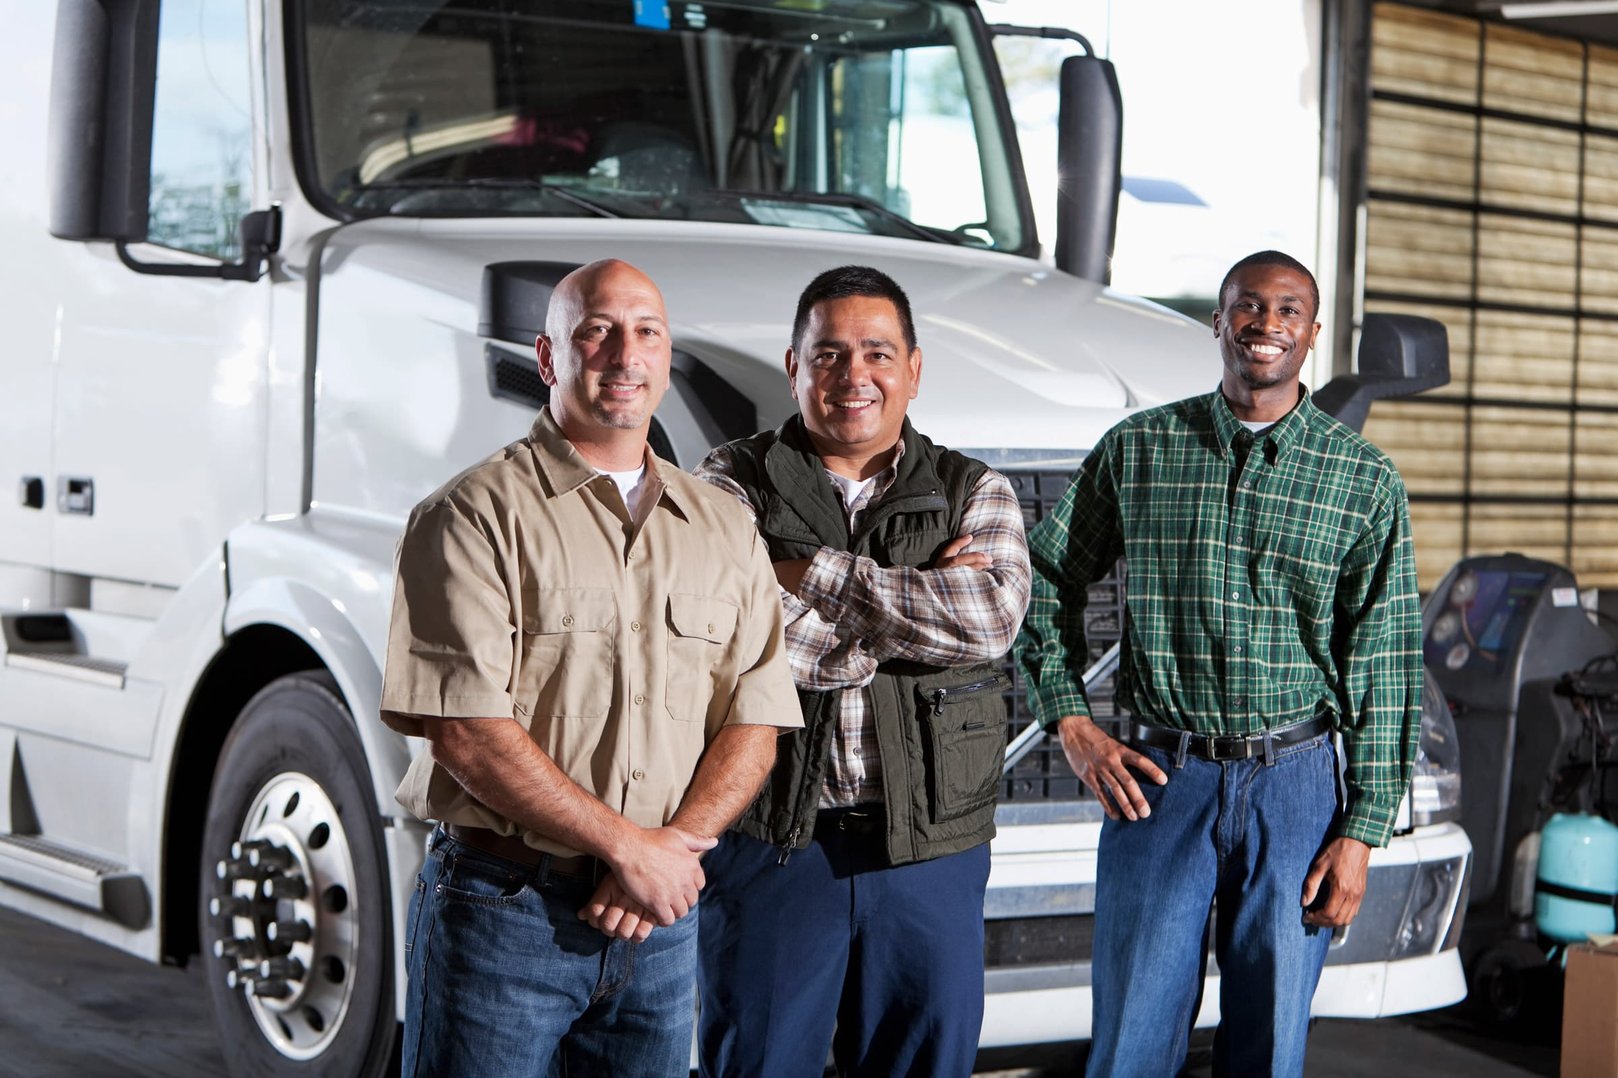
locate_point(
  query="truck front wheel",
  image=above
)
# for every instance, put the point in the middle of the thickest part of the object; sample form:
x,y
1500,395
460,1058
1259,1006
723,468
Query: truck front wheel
x,y
295,911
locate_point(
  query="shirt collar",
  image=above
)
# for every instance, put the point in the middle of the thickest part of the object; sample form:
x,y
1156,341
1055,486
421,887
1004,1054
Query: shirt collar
x,y
566,470
1278,440
881,481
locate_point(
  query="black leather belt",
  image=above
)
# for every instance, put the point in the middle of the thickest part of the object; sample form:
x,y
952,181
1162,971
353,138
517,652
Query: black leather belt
x,y
869,820
1219,747
513,848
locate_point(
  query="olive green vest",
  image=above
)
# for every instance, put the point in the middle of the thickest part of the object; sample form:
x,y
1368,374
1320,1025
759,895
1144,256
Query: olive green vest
x,y
941,731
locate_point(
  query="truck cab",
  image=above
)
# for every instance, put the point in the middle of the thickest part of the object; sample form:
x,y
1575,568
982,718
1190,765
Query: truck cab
x,y
278,268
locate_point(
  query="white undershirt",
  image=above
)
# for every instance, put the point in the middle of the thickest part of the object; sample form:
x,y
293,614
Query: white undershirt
x,y
851,489
1258,426
629,485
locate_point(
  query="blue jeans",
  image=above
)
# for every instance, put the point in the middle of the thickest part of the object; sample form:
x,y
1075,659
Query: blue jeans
x,y
506,980
1238,836
891,957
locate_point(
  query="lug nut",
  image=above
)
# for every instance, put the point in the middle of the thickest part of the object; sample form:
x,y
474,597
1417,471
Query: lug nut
x,y
234,869
240,850
266,856
239,979
284,887
271,988
235,947
283,968
230,906
289,931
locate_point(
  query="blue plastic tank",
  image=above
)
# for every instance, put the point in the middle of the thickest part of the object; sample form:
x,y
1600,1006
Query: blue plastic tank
x,y
1578,854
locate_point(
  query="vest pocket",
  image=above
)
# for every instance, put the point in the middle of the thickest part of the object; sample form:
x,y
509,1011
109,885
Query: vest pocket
x,y
964,723
699,630
567,653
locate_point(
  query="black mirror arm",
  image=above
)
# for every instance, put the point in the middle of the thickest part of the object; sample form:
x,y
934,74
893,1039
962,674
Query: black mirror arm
x,y
261,237
1050,33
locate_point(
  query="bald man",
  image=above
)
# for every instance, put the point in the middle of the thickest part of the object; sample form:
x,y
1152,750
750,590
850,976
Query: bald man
x,y
590,642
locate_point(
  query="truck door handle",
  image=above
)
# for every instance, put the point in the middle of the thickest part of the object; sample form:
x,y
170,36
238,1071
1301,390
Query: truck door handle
x,y
31,492
76,494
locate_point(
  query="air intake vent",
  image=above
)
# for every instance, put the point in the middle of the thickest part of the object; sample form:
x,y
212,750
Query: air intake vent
x,y
515,378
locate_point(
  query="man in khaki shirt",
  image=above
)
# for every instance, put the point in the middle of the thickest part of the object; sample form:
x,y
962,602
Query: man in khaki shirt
x,y
590,641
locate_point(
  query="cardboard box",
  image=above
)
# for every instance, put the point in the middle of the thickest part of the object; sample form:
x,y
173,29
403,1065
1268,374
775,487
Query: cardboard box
x,y
1590,1012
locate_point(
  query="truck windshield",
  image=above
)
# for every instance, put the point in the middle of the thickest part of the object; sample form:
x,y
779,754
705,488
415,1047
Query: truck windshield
x,y
875,116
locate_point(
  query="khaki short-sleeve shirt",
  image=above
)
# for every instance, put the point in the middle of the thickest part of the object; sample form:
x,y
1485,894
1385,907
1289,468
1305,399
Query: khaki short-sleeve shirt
x,y
526,591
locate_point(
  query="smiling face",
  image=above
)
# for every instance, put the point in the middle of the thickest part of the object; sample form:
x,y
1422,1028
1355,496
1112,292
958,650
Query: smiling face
x,y
853,378
605,354
1265,325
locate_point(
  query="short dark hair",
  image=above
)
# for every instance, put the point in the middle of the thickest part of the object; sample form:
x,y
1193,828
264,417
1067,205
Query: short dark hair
x,y
848,281
1270,258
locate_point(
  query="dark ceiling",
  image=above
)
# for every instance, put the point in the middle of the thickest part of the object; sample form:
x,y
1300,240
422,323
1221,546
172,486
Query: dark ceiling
x,y
1586,27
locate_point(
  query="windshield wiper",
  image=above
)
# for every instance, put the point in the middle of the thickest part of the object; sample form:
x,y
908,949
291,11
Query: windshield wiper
x,y
514,183
852,201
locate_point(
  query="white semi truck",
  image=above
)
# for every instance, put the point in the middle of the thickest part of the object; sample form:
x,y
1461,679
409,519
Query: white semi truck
x,y
274,272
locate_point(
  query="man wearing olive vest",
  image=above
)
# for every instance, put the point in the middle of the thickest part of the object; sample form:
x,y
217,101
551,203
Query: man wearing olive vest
x,y
849,897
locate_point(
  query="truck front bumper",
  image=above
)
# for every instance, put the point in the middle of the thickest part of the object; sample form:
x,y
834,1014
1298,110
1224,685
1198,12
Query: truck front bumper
x,y
1398,956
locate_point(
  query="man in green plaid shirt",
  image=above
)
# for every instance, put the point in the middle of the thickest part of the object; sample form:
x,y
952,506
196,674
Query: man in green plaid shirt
x,y
1271,599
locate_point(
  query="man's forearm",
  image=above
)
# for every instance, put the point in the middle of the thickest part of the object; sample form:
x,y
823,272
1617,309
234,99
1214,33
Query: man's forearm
x,y
728,776
966,608
934,616
496,762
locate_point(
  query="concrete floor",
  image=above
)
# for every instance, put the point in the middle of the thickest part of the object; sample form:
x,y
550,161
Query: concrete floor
x,y
74,1009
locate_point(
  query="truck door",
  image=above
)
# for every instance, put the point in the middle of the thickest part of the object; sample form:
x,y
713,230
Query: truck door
x,y
160,386
28,310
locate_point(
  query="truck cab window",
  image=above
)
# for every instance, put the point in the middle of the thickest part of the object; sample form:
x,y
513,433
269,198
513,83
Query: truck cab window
x,y
857,117
901,122
201,128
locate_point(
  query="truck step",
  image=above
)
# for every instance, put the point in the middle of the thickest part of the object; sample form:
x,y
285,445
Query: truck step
x,y
63,873
47,643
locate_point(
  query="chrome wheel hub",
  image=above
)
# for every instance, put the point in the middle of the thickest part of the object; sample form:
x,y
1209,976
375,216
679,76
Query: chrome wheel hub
x,y
284,915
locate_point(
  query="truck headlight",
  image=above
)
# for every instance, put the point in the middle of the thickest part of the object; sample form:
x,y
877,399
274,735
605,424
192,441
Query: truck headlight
x,y
1435,783
1430,921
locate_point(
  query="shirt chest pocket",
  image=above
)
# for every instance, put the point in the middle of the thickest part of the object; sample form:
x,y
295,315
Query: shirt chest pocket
x,y
567,653
700,629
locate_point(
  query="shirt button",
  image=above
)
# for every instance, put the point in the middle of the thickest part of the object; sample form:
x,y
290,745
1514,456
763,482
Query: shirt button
x,y
567,619
1240,701
1237,594
1248,484
639,699
1237,649
634,626
710,628
638,774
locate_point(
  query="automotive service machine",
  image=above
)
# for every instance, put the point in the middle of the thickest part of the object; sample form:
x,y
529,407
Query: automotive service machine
x,y
1507,640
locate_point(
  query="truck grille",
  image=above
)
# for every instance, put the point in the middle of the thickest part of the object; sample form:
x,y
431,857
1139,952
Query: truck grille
x,y
1038,941
1043,775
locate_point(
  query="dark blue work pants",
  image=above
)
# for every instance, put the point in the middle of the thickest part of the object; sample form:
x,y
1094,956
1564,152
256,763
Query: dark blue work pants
x,y
837,950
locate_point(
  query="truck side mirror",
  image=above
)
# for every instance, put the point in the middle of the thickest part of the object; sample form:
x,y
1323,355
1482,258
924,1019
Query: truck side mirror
x,y
102,84
1400,355
1089,154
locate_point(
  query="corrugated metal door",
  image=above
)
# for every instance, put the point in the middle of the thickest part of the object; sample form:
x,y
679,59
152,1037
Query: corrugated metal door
x,y
1493,207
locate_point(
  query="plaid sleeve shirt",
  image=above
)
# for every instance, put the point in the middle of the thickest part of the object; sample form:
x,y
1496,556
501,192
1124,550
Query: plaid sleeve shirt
x,y
1269,577
851,614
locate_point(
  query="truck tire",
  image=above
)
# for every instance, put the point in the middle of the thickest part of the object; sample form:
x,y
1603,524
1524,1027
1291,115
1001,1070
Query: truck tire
x,y
295,918
1507,981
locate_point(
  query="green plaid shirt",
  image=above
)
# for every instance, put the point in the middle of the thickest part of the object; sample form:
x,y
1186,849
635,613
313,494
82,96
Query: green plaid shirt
x,y
1268,577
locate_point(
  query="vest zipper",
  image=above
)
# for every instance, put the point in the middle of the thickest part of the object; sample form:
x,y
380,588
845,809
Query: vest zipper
x,y
941,697
790,844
